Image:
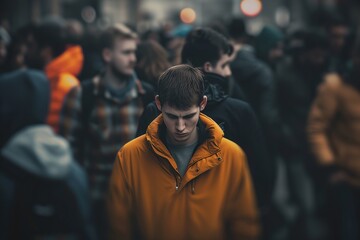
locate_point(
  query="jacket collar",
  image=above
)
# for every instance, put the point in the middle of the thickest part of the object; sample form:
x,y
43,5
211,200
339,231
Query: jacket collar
x,y
208,149
215,86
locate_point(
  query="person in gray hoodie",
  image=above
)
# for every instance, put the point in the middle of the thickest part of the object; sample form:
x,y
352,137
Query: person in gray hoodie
x,y
30,150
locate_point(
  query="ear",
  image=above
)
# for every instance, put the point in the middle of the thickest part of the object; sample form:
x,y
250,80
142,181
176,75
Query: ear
x,y
203,103
107,55
157,102
207,67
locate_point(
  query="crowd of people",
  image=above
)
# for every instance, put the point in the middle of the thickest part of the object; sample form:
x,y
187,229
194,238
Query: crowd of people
x,y
189,132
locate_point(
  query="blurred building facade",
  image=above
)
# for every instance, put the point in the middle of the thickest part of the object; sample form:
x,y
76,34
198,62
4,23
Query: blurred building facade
x,y
154,12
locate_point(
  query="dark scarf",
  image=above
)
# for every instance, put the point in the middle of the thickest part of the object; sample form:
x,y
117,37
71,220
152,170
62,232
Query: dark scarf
x,y
215,86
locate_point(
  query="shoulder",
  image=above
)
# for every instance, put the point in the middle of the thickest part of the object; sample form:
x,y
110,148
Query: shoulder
x,y
232,152
236,103
136,146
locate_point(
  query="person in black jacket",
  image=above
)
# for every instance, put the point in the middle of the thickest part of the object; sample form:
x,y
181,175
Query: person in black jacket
x,y
210,51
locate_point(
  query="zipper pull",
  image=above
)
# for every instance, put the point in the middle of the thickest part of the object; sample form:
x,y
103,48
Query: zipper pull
x,y
178,181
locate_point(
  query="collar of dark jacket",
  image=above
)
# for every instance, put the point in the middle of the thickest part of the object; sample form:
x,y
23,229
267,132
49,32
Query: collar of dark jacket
x,y
215,86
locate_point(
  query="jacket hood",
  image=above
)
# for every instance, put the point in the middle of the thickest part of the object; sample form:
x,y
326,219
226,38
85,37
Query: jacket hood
x,y
70,61
215,86
24,101
208,147
39,151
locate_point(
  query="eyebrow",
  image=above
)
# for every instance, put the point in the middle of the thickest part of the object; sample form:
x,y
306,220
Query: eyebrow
x,y
185,116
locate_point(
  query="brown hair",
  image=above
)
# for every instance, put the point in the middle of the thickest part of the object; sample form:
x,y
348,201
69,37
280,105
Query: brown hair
x,y
115,31
181,86
152,60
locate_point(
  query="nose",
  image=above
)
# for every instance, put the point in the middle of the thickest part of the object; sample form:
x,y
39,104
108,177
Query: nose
x,y
180,125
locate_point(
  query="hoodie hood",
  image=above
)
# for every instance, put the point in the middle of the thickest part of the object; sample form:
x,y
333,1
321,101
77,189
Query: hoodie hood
x,y
70,61
39,151
24,101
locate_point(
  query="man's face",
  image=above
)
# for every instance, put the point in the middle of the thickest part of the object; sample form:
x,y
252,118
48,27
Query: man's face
x,y
122,56
222,67
181,124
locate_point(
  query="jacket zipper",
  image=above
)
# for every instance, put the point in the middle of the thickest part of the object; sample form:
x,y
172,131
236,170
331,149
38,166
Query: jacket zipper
x,y
178,182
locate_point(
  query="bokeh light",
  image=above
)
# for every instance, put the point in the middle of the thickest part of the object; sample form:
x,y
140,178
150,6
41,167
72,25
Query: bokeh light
x,y
251,8
187,15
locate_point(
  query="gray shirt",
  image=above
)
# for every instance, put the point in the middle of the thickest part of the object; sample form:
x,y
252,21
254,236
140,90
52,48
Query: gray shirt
x,y
182,154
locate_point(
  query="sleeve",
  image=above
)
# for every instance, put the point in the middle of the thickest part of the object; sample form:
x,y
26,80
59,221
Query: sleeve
x,y
321,115
243,218
262,167
70,122
120,203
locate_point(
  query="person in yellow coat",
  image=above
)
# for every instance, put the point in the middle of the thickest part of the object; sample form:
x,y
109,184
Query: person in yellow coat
x,y
334,136
182,179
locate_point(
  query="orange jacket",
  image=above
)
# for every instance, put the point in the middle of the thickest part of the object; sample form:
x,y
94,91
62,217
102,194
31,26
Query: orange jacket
x,y
148,199
61,72
334,127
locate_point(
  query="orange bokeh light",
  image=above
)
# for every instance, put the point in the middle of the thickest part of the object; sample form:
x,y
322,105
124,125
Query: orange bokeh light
x,y
251,8
187,15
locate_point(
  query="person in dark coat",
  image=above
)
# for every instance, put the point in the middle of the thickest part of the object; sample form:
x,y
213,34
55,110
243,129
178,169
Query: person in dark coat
x,y
210,51
297,80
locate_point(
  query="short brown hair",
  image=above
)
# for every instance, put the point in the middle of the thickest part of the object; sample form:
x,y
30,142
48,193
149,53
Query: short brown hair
x,y
181,86
118,30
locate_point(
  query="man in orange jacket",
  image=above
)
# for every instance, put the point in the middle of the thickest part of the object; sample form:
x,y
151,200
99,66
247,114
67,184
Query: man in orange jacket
x,y
52,51
182,179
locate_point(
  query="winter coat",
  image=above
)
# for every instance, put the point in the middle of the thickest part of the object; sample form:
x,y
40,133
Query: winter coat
x,y
296,91
334,126
62,72
238,121
148,198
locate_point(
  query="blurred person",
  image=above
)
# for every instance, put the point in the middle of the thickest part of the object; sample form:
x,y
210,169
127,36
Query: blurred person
x,y
43,191
232,88
296,81
90,41
5,40
51,51
176,43
102,115
339,33
268,46
256,81
182,179
152,60
16,58
210,51
334,135
75,30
